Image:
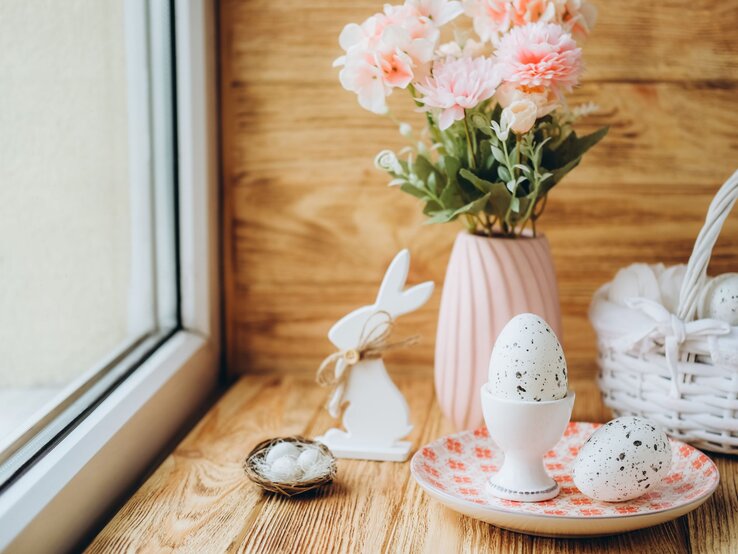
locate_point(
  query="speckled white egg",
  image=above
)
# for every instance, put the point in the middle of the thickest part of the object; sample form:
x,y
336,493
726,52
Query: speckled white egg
x,y
285,469
280,450
527,362
622,460
308,458
720,299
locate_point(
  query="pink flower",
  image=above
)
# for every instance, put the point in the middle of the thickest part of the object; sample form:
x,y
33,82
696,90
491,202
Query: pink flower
x,y
519,116
423,18
391,49
361,75
408,18
439,12
545,100
365,36
576,16
394,62
539,57
458,85
493,18
401,58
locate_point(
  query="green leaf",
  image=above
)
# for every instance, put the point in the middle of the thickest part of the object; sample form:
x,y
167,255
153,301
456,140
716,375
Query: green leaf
x,y
485,154
571,148
432,182
498,154
588,141
503,173
412,190
443,216
538,153
431,207
479,121
451,198
423,168
451,166
480,184
557,174
514,152
499,196
473,207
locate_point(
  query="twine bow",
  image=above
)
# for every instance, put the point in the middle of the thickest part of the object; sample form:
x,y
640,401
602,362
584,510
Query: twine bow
x,y
373,342
672,332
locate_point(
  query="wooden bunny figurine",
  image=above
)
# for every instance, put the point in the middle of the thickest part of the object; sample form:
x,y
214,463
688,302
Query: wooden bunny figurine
x,y
377,415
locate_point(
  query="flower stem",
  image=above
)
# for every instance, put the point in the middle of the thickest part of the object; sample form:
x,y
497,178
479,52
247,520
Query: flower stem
x,y
469,148
488,224
471,224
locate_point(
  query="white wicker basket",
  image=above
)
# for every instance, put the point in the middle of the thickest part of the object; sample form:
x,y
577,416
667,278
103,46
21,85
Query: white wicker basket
x,y
674,368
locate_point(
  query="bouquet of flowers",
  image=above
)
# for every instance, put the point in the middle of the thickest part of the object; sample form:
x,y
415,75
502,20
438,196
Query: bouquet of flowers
x,y
498,131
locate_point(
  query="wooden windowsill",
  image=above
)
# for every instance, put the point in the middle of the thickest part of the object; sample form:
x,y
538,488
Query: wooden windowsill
x,y
199,500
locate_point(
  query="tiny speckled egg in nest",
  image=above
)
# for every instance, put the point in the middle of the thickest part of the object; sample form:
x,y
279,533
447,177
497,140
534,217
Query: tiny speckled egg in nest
x,y
720,299
622,460
527,362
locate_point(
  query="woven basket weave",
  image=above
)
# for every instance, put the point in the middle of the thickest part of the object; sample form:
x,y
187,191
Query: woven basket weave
x,y
682,373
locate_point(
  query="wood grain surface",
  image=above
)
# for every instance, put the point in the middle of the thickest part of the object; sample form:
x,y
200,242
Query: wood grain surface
x,y
199,500
310,225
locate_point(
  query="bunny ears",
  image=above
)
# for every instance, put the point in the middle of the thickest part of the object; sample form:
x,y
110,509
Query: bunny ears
x,y
392,298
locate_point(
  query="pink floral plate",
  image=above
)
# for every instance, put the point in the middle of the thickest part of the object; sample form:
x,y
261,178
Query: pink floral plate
x,y
454,470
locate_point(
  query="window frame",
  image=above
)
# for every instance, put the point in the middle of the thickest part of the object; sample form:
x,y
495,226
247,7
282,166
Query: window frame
x,y
64,496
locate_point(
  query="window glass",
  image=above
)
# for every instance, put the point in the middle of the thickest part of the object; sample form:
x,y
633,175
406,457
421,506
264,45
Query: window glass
x,y
87,209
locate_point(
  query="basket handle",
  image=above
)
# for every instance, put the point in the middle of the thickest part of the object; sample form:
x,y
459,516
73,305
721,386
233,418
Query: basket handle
x,y
696,273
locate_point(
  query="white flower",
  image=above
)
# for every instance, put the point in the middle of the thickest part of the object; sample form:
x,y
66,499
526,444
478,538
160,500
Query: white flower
x,y
545,100
387,160
450,49
453,49
501,132
439,12
519,116
406,130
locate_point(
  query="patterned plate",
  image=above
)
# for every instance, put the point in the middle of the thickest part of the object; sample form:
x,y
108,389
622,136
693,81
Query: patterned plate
x,y
454,470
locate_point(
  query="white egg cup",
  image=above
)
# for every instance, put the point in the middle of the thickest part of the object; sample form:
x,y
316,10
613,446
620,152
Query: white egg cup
x,y
524,431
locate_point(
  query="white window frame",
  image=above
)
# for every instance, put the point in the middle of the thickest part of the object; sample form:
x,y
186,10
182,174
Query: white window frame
x,y
64,496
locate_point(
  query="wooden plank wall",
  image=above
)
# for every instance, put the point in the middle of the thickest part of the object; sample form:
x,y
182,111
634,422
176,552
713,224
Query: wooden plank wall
x,y
310,225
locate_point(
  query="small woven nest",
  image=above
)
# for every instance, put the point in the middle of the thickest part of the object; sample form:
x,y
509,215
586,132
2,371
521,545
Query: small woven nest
x,y
251,465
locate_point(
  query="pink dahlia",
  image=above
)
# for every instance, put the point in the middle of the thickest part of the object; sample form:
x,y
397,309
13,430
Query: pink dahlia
x,y
458,85
539,57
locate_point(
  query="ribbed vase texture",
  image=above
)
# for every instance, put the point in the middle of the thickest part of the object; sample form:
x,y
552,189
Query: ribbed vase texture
x,y
488,282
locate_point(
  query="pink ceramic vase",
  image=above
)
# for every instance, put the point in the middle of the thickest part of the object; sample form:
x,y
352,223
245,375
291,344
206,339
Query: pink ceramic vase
x,y
488,282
